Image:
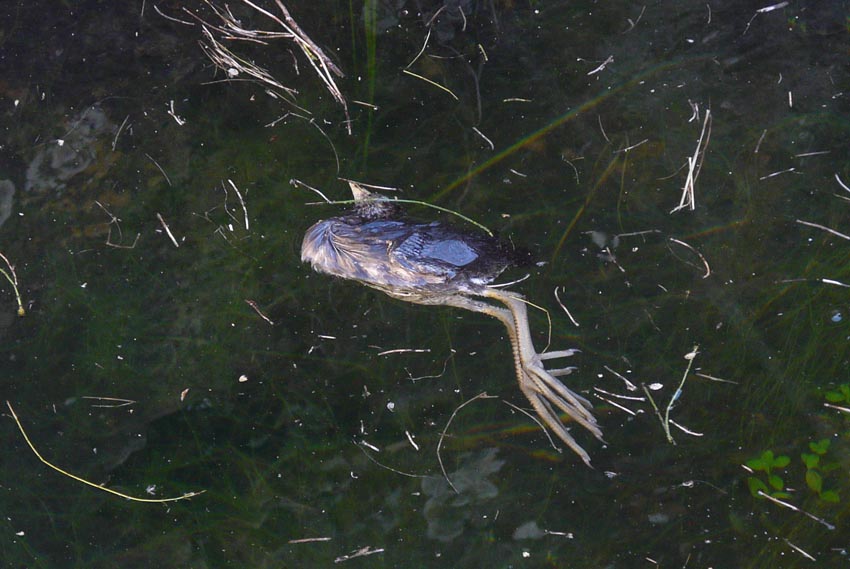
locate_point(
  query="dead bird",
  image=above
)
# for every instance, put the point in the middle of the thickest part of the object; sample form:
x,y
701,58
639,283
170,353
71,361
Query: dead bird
x,y
437,263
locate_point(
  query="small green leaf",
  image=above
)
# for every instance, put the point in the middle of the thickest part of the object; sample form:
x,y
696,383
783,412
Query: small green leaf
x,y
814,481
820,447
781,461
844,388
810,460
755,485
781,495
757,464
829,496
767,457
834,396
776,482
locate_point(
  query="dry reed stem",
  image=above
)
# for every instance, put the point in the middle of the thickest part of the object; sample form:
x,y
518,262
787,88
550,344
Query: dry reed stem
x,y
697,253
362,552
88,483
823,228
168,230
790,506
13,280
482,395
256,308
232,65
665,419
688,199
361,444
434,83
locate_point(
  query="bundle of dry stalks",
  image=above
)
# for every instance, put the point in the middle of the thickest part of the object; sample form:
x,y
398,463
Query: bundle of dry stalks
x,y
229,28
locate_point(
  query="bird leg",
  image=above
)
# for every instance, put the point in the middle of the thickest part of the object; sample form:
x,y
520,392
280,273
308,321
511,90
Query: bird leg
x,y
540,386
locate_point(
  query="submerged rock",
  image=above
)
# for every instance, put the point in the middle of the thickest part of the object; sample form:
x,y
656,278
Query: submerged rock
x,y
60,160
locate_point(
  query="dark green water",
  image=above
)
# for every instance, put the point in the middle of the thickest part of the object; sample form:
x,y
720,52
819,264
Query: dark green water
x,y
277,420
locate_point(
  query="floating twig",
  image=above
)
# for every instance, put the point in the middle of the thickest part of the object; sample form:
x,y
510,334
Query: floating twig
x,y
439,375
411,441
405,351
173,19
615,404
421,51
434,17
365,104
308,540
686,430
362,552
602,65
605,136
12,277
482,395
837,408
695,111
92,484
629,385
230,28
840,183
178,119
816,153
167,179
824,281
114,402
241,202
771,8
688,199
564,308
790,506
697,253
434,83
633,146
823,228
642,10
115,220
619,395
758,144
772,174
361,444
764,10
712,378
167,230
296,183
799,550
117,134
256,308
487,140
665,420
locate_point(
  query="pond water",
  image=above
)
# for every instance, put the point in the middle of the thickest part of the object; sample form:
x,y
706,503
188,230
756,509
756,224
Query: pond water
x,y
173,342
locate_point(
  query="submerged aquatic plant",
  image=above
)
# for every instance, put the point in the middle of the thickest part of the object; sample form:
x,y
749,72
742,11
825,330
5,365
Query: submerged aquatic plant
x,y
840,394
816,467
768,464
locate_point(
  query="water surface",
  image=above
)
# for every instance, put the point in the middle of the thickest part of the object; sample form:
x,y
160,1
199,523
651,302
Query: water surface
x,y
568,130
